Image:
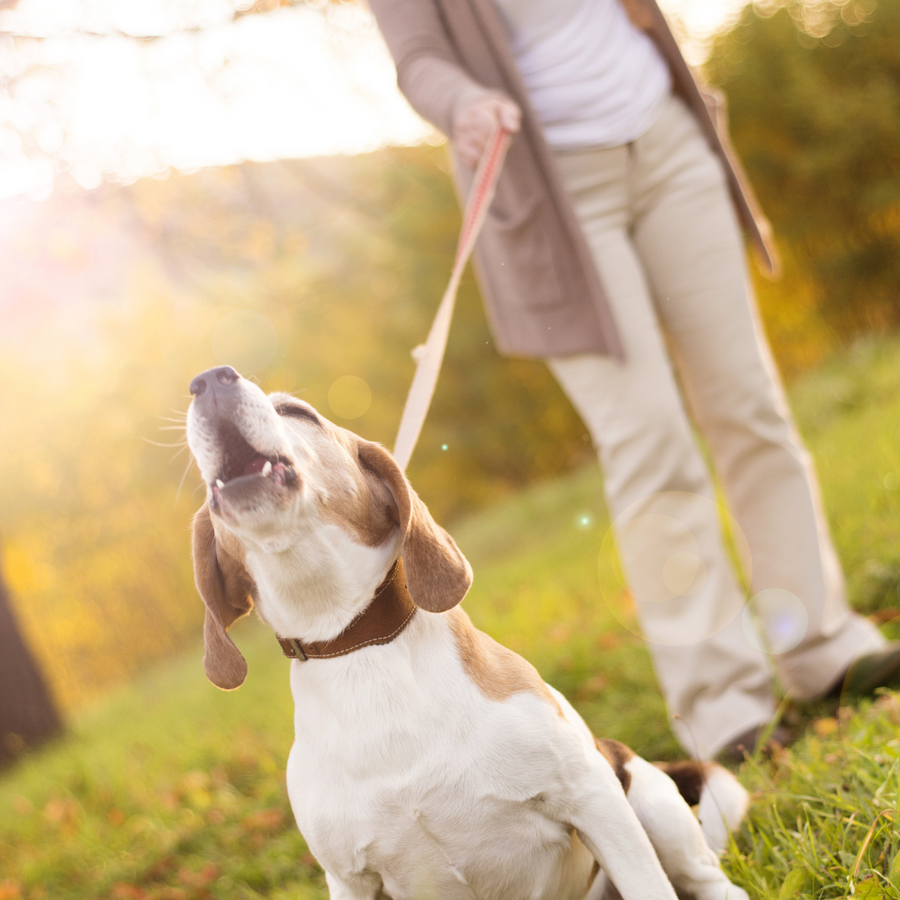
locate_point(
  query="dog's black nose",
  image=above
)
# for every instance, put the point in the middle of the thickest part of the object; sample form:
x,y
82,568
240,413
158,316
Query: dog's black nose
x,y
223,376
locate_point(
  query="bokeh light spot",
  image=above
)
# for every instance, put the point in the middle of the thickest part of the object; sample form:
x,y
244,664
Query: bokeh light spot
x,y
681,570
782,618
349,397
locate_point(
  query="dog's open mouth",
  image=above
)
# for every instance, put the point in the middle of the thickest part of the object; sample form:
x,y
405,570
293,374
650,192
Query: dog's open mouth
x,y
244,468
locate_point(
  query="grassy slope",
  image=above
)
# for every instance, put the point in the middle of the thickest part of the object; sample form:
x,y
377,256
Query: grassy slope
x,y
173,790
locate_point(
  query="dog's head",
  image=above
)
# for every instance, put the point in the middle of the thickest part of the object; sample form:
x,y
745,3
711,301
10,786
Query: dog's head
x,y
275,472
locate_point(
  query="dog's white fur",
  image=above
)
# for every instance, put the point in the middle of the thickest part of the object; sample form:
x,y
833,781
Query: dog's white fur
x,y
408,778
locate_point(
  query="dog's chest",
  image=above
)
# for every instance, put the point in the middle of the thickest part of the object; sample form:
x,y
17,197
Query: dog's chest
x,y
427,785
438,837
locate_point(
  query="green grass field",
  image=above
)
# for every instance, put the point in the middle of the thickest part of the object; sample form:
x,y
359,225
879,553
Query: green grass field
x,y
172,790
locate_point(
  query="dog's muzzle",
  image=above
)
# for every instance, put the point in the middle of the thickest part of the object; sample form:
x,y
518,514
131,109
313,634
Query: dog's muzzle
x,y
243,470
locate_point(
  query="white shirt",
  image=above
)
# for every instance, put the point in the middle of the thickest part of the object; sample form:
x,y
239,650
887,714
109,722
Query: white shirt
x,y
593,78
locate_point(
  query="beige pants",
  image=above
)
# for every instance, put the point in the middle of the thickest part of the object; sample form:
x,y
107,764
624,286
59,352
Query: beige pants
x,y
669,252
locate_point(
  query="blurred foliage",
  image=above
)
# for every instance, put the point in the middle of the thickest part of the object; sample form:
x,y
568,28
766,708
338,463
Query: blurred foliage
x,y
814,98
173,790
298,273
319,276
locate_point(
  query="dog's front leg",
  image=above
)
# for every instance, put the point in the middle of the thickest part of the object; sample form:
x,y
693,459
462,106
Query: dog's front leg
x,y
360,887
609,828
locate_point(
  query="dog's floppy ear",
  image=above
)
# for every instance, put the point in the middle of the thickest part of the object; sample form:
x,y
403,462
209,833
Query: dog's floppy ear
x,y
437,574
226,588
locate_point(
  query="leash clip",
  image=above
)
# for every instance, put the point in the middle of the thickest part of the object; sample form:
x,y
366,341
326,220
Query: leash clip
x,y
295,646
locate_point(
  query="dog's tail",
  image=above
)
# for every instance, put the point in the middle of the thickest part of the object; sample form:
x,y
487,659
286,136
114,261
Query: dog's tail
x,y
720,798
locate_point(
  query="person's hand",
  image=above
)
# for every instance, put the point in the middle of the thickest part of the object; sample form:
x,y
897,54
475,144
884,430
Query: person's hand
x,y
476,122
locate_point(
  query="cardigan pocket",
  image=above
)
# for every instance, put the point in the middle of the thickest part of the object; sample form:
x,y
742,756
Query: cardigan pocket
x,y
508,211
520,259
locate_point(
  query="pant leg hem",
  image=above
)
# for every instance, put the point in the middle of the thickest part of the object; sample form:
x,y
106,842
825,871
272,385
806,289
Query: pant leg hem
x,y
809,672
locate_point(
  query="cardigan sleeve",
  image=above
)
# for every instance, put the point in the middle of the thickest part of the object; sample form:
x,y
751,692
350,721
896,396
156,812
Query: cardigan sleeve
x,y
428,70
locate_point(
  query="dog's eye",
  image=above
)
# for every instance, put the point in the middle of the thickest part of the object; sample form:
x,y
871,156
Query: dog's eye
x,y
295,411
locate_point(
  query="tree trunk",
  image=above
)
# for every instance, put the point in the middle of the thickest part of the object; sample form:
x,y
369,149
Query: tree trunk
x,y
28,714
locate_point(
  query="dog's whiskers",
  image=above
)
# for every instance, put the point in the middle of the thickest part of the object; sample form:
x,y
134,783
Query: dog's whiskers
x,y
184,476
183,444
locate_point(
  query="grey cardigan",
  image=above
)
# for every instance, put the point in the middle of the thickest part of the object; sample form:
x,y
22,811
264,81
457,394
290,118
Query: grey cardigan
x,y
542,292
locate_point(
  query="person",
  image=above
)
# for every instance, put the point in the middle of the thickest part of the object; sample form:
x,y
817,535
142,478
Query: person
x,y
613,251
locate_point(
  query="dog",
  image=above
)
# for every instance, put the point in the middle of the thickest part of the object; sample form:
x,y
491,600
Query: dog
x,y
429,761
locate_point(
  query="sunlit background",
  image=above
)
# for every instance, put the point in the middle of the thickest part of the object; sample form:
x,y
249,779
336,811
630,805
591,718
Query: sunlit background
x,y
186,183
123,89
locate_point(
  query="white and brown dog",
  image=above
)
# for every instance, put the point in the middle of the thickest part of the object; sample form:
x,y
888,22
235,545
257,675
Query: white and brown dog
x,y
429,761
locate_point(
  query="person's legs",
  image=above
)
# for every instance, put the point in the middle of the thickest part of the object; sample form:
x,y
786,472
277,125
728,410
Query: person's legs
x,y
688,241
657,487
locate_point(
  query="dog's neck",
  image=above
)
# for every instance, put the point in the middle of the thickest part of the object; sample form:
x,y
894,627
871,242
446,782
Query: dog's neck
x,y
384,618
315,589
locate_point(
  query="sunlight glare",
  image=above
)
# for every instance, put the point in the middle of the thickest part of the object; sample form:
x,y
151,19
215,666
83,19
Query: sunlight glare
x,y
209,90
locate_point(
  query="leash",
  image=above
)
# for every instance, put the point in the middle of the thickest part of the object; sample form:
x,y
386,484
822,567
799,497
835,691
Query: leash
x,y
430,355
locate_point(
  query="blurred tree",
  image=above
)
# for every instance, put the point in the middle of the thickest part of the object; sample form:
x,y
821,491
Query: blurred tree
x,y
240,8
814,94
350,257
50,86
114,299
28,715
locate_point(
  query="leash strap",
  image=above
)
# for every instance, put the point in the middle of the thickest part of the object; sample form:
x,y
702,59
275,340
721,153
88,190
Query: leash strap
x,y
430,355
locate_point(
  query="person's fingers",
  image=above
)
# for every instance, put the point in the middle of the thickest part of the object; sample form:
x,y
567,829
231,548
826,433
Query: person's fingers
x,y
472,131
470,156
470,149
510,116
502,112
477,122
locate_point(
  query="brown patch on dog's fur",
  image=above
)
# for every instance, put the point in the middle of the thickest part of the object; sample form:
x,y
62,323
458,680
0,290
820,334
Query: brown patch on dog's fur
x,y
617,755
351,496
689,776
497,671
360,488
611,892
228,591
346,494
437,574
232,555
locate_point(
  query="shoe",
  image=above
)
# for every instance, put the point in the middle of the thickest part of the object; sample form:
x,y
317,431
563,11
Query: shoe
x,y
874,670
748,744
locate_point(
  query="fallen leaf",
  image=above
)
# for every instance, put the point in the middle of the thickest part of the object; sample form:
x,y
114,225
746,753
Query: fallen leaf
x,y
594,685
210,872
264,820
115,817
123,891
10,890
824,727
609,640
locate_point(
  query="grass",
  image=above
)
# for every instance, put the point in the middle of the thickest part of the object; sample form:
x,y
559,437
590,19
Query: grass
x,y
172,790
824,821
849,411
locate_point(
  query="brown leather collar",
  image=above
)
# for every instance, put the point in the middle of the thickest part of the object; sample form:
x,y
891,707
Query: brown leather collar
x,y
390,611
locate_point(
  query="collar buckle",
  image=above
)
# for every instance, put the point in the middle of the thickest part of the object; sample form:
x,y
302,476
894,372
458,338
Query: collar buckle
x,y
388,613
292,649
